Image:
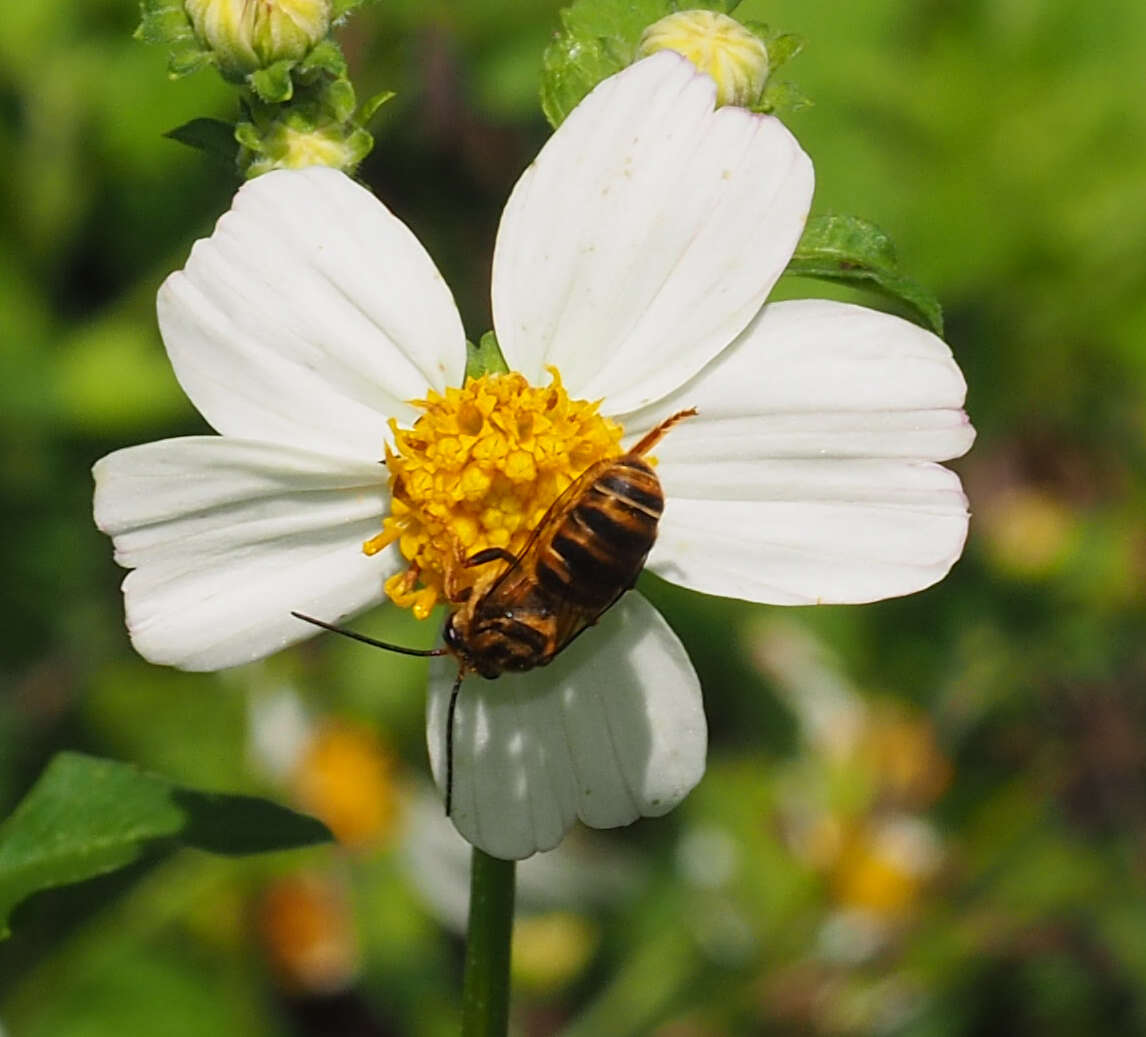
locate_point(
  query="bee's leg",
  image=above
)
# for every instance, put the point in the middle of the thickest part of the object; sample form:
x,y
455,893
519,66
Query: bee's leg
x,y
654,436
455,592
410,577
490,554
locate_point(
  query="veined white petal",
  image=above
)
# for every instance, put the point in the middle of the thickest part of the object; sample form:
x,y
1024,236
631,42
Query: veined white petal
x,y
827,543
226,537
310,316
818,379
807,475
646,235
611,730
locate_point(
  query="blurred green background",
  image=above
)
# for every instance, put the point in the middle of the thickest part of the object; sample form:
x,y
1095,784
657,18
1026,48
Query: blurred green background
x,y
923,817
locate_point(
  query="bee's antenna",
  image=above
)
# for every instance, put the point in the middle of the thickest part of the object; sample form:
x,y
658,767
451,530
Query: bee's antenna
x,y
355,636
450,743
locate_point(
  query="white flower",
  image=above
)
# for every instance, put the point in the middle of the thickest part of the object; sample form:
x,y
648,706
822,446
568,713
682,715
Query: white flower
x,y
633,256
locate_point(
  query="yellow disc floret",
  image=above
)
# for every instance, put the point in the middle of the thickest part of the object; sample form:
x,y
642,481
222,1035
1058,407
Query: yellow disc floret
x,y
479,469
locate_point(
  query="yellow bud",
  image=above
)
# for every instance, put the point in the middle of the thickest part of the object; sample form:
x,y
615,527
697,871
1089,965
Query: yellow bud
x,y
251,34
293,144
717,45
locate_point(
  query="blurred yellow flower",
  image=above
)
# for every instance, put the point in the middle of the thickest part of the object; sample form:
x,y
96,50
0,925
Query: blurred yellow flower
x,y
551,950
307,931
346,778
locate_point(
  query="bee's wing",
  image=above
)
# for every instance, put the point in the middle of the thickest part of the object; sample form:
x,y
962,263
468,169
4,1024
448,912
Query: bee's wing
x,y
519,578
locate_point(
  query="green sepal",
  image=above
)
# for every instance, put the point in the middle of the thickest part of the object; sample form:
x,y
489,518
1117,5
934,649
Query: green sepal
x,y
247,136
187,58
485,357
338,99
86,817
848,250
214,136
782,47
371,105
359,144
782,98
273,84
325,56
340,9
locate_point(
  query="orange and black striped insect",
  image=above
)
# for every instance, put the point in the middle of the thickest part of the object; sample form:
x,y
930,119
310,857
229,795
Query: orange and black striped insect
x,y
587,550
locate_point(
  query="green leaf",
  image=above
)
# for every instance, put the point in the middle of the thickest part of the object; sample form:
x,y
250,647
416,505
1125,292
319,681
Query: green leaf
x,y
848,250
485,357
273,84
213,136
86,816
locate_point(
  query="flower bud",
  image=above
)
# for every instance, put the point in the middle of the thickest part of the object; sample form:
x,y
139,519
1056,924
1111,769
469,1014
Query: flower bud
x,y
296,141
718,45
246,35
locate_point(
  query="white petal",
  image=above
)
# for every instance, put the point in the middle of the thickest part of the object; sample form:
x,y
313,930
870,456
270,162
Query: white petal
x,y
807,475
646,235
226,537
309,316
612,730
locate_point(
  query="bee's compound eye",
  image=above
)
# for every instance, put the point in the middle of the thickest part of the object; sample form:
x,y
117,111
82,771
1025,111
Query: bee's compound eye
x,y
453,640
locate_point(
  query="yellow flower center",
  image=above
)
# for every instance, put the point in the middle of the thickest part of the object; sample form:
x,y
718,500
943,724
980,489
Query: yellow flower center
x,y
479,469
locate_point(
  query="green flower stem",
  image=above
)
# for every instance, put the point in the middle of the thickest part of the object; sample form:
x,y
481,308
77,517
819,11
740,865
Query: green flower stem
x,y
485,992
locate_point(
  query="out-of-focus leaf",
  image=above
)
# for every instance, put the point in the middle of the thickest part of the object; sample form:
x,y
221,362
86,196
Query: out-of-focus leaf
x,y
213,136
112,376
87,816
849,250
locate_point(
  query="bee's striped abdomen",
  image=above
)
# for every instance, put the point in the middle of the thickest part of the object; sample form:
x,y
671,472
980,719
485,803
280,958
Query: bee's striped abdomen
x,y
598,550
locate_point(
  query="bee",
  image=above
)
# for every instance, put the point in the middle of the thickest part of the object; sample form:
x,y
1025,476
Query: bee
x,y
585,553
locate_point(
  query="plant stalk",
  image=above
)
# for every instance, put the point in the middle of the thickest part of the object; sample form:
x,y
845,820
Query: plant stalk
x,y
485,990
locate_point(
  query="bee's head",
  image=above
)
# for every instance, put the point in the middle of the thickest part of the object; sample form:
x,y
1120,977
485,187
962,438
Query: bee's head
x,y
475,650
454,638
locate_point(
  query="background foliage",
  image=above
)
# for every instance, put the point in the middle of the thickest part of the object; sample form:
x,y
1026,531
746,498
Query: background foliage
x,y
923,817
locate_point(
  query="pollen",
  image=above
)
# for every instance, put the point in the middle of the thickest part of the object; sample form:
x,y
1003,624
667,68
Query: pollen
x,y
479,469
